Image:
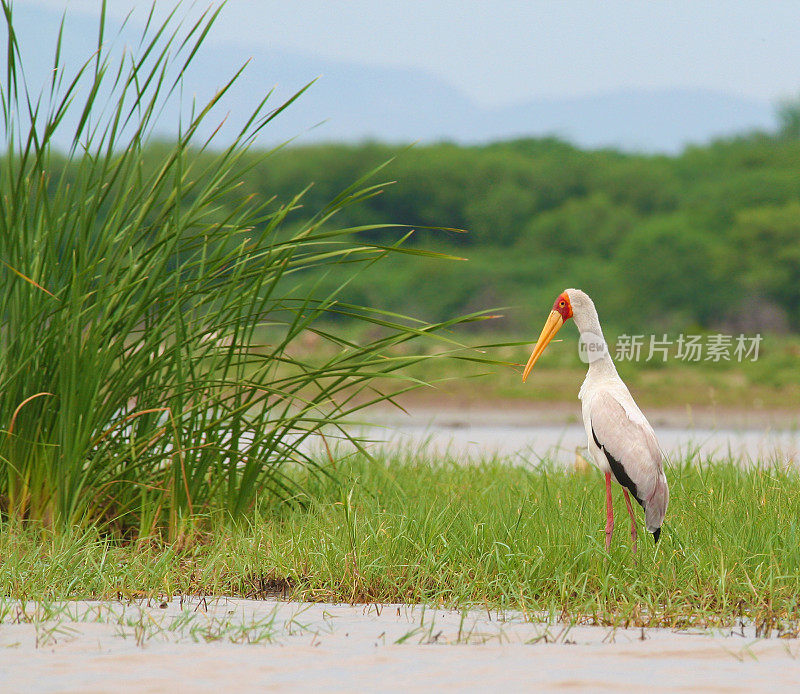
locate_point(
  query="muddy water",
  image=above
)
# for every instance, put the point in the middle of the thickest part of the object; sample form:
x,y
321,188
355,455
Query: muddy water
x,y
526,440
392,648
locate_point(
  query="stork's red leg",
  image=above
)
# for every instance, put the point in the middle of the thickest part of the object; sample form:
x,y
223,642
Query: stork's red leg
x,y
633,518
609,512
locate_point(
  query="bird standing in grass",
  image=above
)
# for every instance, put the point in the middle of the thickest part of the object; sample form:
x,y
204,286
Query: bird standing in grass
x,y
621,441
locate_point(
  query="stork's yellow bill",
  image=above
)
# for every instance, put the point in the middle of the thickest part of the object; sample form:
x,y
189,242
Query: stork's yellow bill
x,y
562,311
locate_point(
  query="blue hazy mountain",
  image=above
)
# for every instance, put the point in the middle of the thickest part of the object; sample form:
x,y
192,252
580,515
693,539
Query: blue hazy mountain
x,y
353,102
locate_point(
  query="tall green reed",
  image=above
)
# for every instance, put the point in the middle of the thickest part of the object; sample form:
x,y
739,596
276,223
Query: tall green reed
x,y
135,388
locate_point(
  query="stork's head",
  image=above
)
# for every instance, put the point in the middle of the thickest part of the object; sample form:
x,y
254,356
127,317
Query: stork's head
x,y
571,303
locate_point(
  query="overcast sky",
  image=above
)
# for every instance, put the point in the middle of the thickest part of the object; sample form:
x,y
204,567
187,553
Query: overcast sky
x,y
501,52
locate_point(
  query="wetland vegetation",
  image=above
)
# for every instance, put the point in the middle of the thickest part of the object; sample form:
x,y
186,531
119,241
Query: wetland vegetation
x,y
411,529
179,319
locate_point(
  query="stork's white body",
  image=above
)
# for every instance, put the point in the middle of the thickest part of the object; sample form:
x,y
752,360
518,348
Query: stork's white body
x,y
620,438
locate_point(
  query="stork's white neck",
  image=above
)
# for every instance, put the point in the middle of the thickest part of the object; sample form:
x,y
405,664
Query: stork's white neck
x,y
586,319
588,323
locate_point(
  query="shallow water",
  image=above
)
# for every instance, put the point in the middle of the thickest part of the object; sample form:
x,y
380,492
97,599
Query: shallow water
x,y
205,645
470,438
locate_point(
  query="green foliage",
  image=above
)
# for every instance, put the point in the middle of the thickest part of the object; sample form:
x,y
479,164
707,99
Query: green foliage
x,y
592,226
150,309
789,119
541,215
672,267
769,239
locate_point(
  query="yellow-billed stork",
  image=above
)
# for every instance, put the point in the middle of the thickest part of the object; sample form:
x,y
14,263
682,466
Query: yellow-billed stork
x,y
621,440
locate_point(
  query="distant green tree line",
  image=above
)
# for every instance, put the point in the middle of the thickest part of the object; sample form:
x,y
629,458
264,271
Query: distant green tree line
x,y
709,238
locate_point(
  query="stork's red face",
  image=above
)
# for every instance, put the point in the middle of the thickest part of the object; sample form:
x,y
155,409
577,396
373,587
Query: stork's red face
x,y
562,311
562,306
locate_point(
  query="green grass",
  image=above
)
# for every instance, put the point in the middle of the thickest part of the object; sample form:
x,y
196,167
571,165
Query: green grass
x,y
134,392
413,530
